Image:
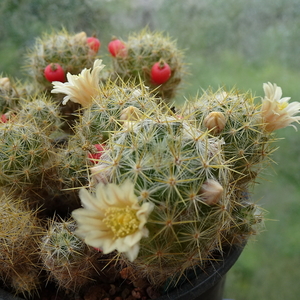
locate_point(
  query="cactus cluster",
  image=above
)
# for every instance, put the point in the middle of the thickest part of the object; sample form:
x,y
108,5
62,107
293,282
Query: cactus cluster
x,y
134,183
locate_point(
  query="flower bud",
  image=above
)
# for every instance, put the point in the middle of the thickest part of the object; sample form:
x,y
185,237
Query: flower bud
x,y
130,113
215,122
211,192
5,83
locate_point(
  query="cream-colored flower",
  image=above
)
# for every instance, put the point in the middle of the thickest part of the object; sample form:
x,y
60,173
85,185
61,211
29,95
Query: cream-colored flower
x,y
112,219
82,88
276,111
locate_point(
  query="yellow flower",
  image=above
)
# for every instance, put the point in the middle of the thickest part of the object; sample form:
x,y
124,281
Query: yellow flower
x,y
113,219
81,88
276,111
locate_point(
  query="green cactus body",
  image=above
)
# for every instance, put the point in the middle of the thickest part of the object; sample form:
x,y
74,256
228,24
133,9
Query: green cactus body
x,y
9,95
71,52
169,161
143,50
19,232
246,145
107,114
43,112
67,260
25,155
72,166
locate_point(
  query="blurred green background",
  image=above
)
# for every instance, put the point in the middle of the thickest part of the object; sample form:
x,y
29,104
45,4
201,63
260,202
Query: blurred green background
x,y
231,43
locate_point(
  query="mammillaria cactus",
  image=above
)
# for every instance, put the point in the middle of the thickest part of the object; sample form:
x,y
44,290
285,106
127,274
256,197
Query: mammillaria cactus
x,y
245,125
144,50
67,260
70,51
115,105
25,153
20,229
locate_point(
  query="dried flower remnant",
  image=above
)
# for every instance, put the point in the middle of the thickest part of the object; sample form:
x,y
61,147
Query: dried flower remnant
x,y
82,88
113,219
211,192
276,111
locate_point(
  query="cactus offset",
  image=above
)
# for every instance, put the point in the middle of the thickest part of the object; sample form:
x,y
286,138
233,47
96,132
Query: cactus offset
x,y
20,229
116,104
246,144
142,51
71,52
25,154
67,260
43,111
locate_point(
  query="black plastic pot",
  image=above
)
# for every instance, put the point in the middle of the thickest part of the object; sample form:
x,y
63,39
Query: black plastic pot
x,y
208,285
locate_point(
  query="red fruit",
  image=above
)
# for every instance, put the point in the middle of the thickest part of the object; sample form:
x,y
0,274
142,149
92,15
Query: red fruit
x,y
54,72
94,157
160,72
116,48
93,43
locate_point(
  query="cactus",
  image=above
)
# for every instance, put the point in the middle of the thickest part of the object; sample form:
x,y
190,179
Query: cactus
x,y
116,104
43,111
235,117
11,92
182,170
20,229
68,261
144,49
25,155
70,51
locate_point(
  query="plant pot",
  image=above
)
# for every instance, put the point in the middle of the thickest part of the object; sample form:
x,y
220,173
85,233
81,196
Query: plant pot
x,y
206,285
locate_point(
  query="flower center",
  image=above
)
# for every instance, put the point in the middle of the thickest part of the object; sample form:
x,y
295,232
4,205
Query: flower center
x,y
282,105
121,221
